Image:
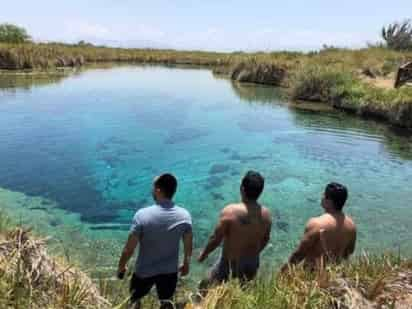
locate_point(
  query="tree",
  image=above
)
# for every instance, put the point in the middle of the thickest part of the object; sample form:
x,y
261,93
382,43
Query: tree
x,y
398,36
13,34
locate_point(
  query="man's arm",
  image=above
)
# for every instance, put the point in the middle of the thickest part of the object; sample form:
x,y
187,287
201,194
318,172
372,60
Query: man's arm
x,y
127,253
267,233
310,237
216,238
351,248
188,248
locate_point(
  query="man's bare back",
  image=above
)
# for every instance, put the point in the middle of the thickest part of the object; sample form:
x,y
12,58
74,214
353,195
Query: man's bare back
x,y
248,230
330,237
244,230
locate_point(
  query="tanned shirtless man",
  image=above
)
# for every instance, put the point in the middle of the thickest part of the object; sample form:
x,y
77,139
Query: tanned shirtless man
x,y
244,229
330,237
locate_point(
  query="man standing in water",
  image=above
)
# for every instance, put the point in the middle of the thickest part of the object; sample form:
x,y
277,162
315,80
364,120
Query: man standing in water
x,y
330,237
244,229
158,229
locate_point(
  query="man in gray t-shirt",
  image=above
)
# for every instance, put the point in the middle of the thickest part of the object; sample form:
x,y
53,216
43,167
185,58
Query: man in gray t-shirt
x,y
158,229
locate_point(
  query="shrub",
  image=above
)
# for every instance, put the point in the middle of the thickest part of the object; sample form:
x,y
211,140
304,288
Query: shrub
x,y
322,84
13,34
398,36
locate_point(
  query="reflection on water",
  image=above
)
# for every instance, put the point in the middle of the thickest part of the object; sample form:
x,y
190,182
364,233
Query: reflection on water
x,y
13,82
251,93
83,152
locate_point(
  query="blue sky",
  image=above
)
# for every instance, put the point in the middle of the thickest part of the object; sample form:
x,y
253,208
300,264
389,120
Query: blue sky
x,y
208,24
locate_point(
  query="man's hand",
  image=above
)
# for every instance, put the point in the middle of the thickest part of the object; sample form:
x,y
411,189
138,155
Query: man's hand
x,y
121,273
126,255
184,269
202,257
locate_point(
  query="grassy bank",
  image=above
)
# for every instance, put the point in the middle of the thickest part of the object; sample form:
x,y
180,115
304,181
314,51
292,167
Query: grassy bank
x,y
30,278
49,56
347,92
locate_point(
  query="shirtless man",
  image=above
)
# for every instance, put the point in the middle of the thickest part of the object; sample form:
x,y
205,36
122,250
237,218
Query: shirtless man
x,y
244,229
330,237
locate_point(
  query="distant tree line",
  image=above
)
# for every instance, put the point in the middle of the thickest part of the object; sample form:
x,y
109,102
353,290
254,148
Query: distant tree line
x,y
397,36
13,34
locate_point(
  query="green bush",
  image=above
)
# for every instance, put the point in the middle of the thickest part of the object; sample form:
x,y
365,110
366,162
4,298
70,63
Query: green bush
x,y
398,36
321,84
13,34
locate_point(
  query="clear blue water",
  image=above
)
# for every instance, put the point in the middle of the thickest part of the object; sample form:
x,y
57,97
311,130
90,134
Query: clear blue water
x,y
86,148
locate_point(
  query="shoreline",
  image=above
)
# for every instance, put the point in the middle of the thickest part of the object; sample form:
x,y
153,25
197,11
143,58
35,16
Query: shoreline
x,y
365,282
398,116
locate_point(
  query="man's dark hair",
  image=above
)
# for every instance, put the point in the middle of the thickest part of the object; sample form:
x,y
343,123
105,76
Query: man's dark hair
x,y
337,193
253,184
167,183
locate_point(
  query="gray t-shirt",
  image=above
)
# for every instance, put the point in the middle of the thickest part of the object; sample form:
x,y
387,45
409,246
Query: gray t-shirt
x,y
160,229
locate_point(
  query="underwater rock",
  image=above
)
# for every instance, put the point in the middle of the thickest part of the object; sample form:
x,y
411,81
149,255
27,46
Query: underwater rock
x,y
184,135
244,159
235,157
111,160
38,208
225,150
218,169
124,152
234,173
130,206
116,140
213,182
103,217
247,159
311,200
143,202
113,183
283,226
137,149
276,214
217,196
101,146
46,202
132,182
122,227
55,222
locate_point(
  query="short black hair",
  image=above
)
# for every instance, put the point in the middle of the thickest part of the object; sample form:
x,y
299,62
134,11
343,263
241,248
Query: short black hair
x,y
253,184
167,183
337,193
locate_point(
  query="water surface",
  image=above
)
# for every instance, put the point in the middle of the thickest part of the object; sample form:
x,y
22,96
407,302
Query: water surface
x,y
78,155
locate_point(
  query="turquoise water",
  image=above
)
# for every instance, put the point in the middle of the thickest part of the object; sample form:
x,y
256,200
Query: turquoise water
x,y
83,150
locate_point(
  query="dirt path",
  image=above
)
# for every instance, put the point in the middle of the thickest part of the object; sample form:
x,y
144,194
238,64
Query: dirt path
x,y
386,83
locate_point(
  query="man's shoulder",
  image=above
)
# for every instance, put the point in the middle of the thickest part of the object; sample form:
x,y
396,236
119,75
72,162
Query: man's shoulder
x,y
266,212
350,223
145,211
231,209
182,211
315,222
